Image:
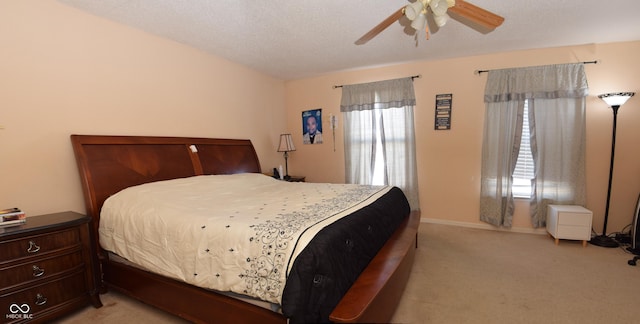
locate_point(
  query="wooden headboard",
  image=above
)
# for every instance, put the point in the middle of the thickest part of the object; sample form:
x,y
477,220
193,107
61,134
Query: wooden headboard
x,y
108,164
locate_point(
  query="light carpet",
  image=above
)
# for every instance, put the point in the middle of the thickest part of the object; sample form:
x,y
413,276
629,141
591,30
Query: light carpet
x,y
466,275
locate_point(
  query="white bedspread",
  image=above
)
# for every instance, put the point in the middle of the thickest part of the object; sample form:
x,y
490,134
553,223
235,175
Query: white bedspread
x,y
237,233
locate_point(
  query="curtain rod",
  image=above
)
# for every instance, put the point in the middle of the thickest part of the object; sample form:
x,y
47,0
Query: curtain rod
x,y
412,78
478,72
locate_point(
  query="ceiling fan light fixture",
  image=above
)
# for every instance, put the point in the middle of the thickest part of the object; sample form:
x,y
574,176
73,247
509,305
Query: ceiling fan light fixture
x,y
420,22
413,10
439,7
441,20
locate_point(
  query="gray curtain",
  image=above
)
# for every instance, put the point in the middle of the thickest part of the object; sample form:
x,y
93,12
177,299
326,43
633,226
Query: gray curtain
x,y
500,148
556,97
385,108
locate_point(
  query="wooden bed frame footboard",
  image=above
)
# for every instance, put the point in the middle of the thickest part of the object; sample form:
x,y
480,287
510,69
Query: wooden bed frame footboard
x,y
108,164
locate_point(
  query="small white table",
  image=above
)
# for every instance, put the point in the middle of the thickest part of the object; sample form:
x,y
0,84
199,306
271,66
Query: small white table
x,y
569,222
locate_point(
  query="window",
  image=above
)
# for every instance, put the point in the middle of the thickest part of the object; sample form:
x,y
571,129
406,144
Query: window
x,y
386,133
379,135
523,174
556,95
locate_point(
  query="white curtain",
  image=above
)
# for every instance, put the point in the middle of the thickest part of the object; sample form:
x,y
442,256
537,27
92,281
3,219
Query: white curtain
x,y
556,97
382,110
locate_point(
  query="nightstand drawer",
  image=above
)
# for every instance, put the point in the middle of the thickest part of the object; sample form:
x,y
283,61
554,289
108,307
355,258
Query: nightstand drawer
x,y
574,219
573,232
46,296
38,269
39,244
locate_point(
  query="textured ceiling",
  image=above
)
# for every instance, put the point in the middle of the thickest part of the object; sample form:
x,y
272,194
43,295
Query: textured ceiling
x,y
291,39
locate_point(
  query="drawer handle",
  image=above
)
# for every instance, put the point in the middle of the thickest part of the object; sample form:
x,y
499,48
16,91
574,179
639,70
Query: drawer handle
x,y
33,247
37,271
40,300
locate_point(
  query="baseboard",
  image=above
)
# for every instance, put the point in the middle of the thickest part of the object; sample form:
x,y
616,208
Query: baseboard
x,y
539,231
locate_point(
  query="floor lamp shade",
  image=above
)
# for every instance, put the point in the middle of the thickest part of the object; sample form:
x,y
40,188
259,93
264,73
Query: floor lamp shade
x,y
614,100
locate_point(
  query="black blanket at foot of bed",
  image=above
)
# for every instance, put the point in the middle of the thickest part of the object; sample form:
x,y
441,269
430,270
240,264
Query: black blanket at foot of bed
x,y
333,260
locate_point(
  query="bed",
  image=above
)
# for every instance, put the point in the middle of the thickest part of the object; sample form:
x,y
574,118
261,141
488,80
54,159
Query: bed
x,y
368,291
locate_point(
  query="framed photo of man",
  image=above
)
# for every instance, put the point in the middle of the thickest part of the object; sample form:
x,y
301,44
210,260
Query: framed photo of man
x,y
312,126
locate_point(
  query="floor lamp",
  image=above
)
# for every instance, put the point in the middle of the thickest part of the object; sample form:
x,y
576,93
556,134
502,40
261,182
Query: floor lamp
x,y
286,146
614,100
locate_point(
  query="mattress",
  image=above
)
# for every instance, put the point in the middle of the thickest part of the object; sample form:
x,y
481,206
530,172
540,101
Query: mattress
x,y
233,233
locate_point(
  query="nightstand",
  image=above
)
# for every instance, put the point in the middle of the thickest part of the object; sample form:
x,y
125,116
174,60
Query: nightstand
x,y
569,222
295,179
47,267
290,179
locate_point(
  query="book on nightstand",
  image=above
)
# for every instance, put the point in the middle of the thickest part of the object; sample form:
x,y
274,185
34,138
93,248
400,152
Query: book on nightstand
x,y
12,217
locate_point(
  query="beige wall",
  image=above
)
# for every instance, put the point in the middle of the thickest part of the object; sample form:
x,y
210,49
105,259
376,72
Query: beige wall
x,y
449,161
63,71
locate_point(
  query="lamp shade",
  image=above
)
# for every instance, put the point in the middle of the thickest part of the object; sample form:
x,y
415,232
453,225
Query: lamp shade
x,y
616,99
286,143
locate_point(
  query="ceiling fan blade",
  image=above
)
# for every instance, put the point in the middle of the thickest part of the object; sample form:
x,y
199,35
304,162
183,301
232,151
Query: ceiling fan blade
x,y
380,27
476,15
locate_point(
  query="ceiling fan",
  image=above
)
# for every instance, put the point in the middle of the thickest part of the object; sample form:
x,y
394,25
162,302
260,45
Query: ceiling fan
x,y
417,12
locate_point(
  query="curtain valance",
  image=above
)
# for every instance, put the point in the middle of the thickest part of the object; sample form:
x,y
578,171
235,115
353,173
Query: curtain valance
x,y
536,82
380,95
